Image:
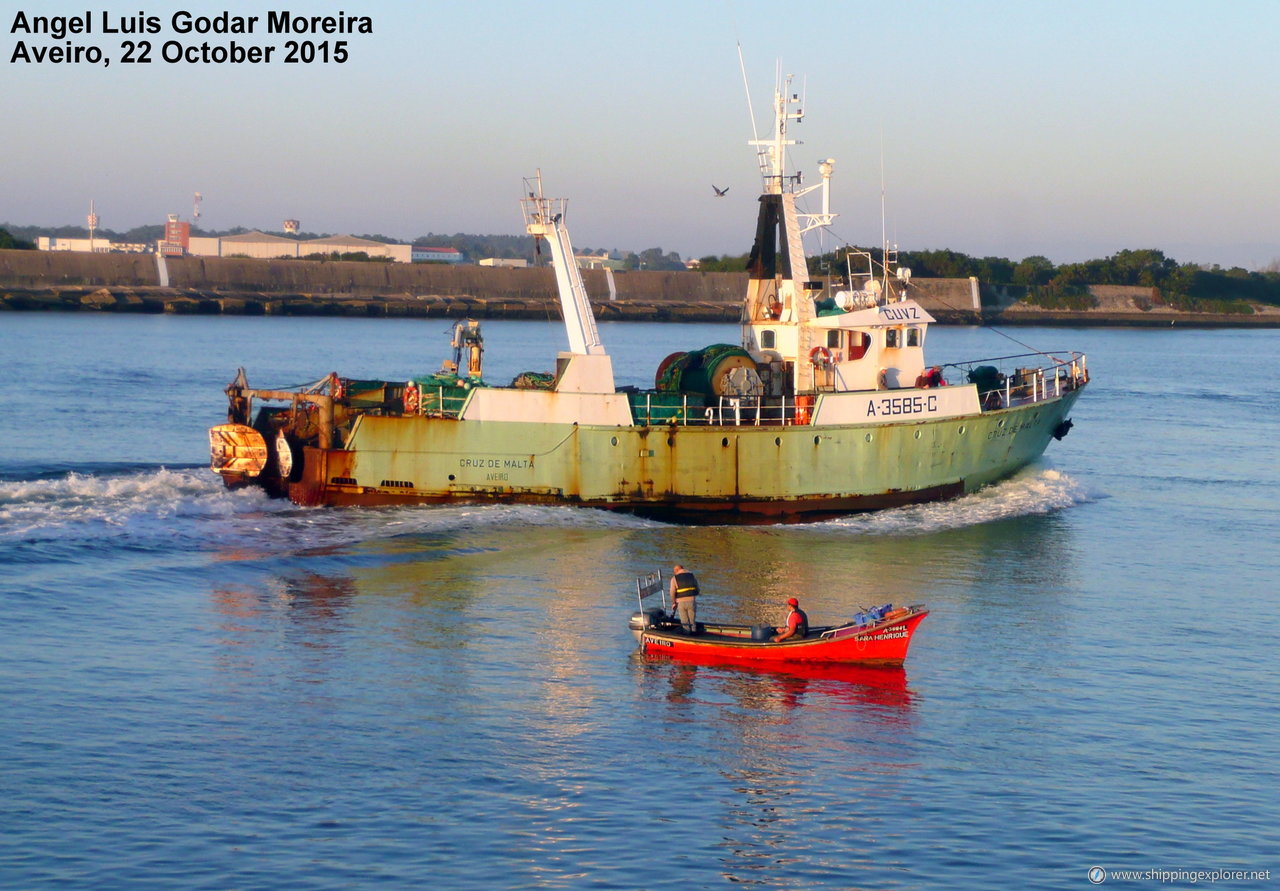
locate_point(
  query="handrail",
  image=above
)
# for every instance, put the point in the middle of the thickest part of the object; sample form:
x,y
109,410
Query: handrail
x,y
1066,371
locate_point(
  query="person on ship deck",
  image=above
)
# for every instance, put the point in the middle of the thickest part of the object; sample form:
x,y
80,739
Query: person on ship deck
x,y
931,377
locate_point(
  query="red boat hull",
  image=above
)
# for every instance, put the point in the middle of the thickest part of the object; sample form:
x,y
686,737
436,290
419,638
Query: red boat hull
x,y
884,644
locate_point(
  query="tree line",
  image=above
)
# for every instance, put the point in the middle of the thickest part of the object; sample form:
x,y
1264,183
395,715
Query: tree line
x,y
1187,285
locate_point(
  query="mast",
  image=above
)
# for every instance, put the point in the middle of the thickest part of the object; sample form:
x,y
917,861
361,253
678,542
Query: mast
x,y
544,218
780,293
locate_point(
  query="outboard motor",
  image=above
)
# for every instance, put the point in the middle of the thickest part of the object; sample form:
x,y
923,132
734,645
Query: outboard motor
x,y
645,619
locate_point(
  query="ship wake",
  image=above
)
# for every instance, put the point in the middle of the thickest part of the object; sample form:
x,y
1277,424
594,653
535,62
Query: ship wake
x,y
1036,491
160,507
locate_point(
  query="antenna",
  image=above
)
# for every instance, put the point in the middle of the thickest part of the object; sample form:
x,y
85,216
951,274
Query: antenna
x,y
92,220
746,85
884,235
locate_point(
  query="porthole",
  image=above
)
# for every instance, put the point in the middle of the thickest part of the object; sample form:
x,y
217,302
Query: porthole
x,y
452,477
777,440
1000,423
613,440
917,434
962,429
725,442
869,437
815,440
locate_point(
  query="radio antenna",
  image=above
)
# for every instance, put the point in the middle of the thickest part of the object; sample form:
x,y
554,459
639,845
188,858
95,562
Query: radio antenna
x,y
746,85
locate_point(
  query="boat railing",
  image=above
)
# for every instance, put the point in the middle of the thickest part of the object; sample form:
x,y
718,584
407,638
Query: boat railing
x,y
1008,381
692,410
873,622
440,402
409,398
1002,382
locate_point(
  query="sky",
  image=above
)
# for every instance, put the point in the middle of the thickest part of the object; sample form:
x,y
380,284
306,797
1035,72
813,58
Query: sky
x,y
1010,129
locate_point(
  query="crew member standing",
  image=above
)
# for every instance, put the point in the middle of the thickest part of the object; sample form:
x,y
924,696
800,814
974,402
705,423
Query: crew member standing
x,y
797,622
684,594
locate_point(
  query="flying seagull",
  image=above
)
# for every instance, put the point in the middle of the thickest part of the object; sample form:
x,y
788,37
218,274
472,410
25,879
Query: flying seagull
x,y
719,192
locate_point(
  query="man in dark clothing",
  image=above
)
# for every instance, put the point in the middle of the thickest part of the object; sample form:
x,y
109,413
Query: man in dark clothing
x,y
684,595
797,622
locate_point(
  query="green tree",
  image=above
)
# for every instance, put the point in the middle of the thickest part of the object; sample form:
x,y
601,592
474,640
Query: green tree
x,y
996,270
654,258
9,243
1033,271
726,263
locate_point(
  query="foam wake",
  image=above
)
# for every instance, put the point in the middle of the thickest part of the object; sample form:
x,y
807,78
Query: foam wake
x,y
147,506
1033,492
53,507
150,506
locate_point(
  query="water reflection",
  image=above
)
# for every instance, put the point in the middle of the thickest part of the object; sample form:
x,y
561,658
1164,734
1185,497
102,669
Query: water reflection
x,y
800,752
316,602
310,611
882,692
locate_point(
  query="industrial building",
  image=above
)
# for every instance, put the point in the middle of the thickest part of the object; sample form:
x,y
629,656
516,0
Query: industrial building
x,y
264,246
89,245
423,254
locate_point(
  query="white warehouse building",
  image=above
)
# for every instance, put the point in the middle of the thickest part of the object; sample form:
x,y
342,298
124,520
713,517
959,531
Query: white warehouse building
x,y
263,246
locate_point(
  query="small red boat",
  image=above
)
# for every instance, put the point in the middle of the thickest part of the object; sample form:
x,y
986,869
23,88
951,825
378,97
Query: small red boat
x,y
878,636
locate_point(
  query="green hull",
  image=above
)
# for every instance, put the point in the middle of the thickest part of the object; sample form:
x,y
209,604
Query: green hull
x,y
697,472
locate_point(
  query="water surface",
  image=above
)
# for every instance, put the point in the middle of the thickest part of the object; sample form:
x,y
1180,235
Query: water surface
x,y
205,689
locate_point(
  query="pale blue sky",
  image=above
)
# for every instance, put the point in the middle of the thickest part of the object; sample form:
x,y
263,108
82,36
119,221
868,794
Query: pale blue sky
x,y
1071,130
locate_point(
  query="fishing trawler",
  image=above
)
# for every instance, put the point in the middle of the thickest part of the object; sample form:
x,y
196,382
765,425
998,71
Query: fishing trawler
x,y
826,406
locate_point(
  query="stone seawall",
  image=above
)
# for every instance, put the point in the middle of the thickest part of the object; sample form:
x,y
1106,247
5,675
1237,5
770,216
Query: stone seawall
x,y
65,281
256,303
36,270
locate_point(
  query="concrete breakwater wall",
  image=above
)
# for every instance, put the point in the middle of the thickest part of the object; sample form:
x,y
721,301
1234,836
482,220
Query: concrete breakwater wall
x,y
193,301
65,281
31,280
45,269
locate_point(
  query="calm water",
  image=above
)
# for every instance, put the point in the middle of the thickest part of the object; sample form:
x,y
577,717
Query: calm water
x,y
211,690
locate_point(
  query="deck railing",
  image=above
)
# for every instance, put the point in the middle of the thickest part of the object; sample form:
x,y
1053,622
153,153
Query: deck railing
x,y
1017,382
1003,382
441,402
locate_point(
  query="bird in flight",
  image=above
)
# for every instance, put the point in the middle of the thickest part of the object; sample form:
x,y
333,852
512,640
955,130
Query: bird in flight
x,y
719,192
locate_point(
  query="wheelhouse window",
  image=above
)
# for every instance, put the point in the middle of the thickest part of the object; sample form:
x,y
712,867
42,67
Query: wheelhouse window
x,y
768,339
892,338
833,340
913,337
859,341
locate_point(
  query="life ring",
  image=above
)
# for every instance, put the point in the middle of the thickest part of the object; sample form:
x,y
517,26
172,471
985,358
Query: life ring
x,y
820,357
411,398
336,390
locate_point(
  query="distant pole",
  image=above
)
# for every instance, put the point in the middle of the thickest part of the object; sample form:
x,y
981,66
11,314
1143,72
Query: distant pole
x,y
92,220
